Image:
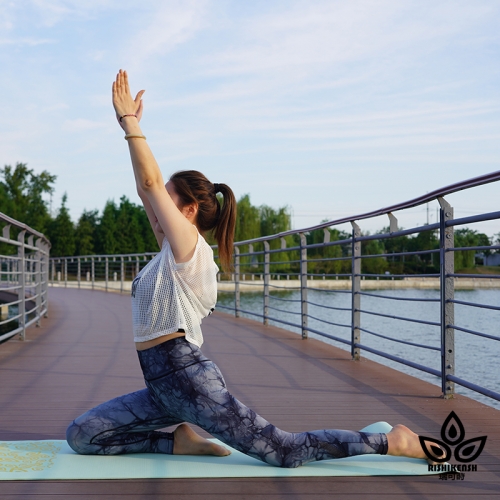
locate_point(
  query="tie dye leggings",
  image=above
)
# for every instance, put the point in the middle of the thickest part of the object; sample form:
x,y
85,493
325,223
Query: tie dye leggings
x,y
184,386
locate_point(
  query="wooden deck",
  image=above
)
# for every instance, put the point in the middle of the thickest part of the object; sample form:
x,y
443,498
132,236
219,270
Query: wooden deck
x,y
83,354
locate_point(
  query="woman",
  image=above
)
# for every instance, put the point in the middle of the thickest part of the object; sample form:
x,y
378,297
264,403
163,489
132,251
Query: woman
x,y
170,297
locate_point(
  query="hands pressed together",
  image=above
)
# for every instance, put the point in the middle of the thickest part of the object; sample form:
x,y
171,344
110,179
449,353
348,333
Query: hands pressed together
x,y
125,106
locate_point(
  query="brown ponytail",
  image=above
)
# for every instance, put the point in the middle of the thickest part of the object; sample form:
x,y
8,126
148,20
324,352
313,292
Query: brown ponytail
x,y
194,187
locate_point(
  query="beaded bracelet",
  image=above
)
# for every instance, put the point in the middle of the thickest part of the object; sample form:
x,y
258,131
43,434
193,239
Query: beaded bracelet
x,y
136,136
121,117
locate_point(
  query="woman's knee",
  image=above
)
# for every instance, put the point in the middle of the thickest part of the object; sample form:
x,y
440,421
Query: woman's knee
x,y
81,434
77,439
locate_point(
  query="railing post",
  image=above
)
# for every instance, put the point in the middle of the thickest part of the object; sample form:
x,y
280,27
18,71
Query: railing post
x,y
447,267
79,271
303,284
21,280
38,280
355,289
65,272
237,282
92,271
122,272
46,278
267,266
106,271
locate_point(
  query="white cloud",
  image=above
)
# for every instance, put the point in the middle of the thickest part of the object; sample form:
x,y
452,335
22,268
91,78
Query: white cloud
x,y
52,12
171,24
321,35
81,124
30,42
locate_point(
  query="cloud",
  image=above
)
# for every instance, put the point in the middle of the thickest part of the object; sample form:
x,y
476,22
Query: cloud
x,y
81,124
52,12
30,42
171,24
322,35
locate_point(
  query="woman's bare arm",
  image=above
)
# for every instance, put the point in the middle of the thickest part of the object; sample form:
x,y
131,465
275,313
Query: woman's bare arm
x,y
180,233
151,216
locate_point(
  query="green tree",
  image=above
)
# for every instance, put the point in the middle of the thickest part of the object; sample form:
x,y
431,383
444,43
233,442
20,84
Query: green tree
x,y
484,241
107,238
465,237
424,263
21,195
128,231
495,240
248,220
85,232
274,221
396,245
373,265
147,235
61,232
315,256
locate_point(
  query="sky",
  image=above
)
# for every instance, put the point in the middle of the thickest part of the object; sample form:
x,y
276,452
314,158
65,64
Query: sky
x,y
332,108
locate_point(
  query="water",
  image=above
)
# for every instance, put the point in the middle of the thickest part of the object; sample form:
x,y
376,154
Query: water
x,y
12,325
476,358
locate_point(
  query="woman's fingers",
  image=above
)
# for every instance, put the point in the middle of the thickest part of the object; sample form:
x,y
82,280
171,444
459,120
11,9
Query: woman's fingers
x,y
123,101
139,111
138,98
139,104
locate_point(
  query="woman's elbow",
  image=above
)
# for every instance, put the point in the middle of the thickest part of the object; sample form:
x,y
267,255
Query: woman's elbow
x,y
148,184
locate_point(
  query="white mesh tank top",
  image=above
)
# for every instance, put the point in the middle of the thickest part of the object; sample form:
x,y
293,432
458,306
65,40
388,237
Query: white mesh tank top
x,y
167,296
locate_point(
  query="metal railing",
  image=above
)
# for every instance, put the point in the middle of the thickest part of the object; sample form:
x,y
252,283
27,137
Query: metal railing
x,y
292,259
98,272
24,264
274,266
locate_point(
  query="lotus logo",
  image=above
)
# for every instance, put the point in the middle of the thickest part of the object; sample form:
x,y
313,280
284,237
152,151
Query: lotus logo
x,y
452,434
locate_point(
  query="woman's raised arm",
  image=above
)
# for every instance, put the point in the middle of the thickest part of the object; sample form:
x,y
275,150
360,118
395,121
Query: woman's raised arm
x,y
180,233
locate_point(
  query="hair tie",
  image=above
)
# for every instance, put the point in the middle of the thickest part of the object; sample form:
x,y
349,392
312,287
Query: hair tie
x,y
216,187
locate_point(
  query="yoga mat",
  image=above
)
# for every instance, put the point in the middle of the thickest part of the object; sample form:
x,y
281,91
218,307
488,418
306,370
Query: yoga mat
x,y
30,460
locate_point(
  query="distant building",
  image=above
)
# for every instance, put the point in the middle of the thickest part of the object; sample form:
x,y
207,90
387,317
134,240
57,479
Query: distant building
x,y
490,260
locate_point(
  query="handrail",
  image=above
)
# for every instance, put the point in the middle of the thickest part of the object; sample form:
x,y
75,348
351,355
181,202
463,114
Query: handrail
x,y
420,200
339,270
23,278
13,222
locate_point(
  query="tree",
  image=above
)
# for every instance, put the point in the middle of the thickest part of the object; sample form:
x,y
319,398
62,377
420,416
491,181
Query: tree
x,y
107,240
484,241
61,232
128,231
21,195
147,235
326,267
396,245
466,237
248,220
373,265
85,233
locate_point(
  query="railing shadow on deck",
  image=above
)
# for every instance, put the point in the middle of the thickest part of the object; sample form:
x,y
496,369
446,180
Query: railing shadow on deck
x,y
323,261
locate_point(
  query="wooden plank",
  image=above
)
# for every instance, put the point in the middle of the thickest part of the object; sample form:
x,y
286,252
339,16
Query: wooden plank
x,y
83,354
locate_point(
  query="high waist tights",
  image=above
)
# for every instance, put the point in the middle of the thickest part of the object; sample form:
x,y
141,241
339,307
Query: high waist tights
x,y
184,386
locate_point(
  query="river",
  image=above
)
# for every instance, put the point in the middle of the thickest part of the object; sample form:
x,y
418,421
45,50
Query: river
x,y
476,358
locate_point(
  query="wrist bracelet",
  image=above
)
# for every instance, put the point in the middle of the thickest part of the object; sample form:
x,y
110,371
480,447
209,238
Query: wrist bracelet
x,y
121,117
136,136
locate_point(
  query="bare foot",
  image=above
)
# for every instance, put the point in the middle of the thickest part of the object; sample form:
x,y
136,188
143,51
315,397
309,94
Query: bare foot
x,y
187,442
402,442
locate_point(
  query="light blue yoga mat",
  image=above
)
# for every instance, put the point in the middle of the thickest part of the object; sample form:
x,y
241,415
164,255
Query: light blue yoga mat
x,y
29,460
